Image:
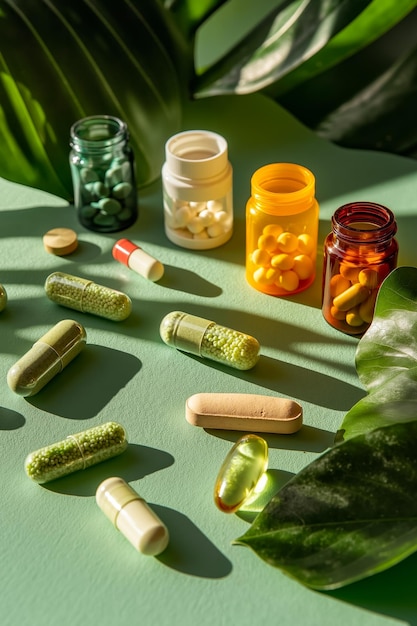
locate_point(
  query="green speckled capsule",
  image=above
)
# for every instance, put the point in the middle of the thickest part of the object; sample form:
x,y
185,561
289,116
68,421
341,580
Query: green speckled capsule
x,y
240,472
76,452
88,297
205,338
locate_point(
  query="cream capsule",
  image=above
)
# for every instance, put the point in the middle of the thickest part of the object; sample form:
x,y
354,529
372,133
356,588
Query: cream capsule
x,y
88,297
207,339
240,473
136,259
132,516
76,452
47,357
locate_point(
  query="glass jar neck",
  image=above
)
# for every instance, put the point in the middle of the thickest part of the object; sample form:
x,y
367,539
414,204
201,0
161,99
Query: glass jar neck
x,y
98,133
364,223
283,188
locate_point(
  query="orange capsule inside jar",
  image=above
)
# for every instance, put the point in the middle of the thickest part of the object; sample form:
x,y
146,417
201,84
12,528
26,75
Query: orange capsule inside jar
x,y
359,254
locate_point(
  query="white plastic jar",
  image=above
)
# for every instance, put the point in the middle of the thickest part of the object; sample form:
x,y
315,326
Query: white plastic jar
x,y
197,190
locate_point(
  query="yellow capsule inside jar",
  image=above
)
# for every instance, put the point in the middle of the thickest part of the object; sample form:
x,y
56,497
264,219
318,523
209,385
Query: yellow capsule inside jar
x,y
240,473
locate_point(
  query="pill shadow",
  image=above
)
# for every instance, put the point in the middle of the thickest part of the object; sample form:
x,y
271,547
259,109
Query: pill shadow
x,y
307,439
134,463
85,251
88,383
376,594
10,420
189,551
180,279
295,382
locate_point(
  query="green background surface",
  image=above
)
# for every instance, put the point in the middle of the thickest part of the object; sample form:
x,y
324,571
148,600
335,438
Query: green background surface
x,y
62,562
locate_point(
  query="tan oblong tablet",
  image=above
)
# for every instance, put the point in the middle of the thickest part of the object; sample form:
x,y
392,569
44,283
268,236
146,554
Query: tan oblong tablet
x,y
243,411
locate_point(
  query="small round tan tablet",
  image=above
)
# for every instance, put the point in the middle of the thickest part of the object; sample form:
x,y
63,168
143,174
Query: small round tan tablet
x,y
60,241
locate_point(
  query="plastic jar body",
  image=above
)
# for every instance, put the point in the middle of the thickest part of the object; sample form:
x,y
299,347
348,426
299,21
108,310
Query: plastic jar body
x,y
282,217
103,174
197,182
359,254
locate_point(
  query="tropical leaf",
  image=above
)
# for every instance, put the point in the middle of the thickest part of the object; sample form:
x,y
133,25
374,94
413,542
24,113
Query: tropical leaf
x,y
288,36
83,58
348,515
386,359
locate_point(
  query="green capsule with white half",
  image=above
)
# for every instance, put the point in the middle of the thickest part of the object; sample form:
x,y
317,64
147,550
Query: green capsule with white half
x,y
207,339
76,452
87,296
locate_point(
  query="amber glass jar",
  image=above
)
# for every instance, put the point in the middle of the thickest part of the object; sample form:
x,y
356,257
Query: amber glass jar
x,y
282,217
359,253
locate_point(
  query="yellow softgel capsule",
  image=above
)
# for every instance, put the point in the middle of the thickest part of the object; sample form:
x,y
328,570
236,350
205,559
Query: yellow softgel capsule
x,y
273,229
303,266
282,261
260,257
267,242
240,473
289,280
266,275
305,243
287,242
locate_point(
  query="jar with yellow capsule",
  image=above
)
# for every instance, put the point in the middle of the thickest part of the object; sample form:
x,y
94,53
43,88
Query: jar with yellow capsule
x,y
282,217
359,254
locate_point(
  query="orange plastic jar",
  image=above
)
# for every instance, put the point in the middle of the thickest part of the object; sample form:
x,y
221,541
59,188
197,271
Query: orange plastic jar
x,y
359,253
282,217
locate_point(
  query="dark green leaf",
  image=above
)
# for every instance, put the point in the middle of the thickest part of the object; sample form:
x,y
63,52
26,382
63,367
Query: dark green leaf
x,y
386,358
381,115
60,61
190,14
292,33
348,515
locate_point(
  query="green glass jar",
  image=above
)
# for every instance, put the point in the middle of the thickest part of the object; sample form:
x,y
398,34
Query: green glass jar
x,y
103,174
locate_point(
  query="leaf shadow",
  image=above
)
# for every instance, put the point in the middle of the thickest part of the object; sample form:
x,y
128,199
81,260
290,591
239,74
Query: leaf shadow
x,y
391,593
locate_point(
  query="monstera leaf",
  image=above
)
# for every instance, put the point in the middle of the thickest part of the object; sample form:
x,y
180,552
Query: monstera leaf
x,y
351,513
136,59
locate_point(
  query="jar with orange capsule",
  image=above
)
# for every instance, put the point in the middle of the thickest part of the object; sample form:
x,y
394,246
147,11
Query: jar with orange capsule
x,y
359,254
281,229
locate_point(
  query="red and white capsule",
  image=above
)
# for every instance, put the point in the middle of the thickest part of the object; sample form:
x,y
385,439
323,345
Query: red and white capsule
x,y
134,257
